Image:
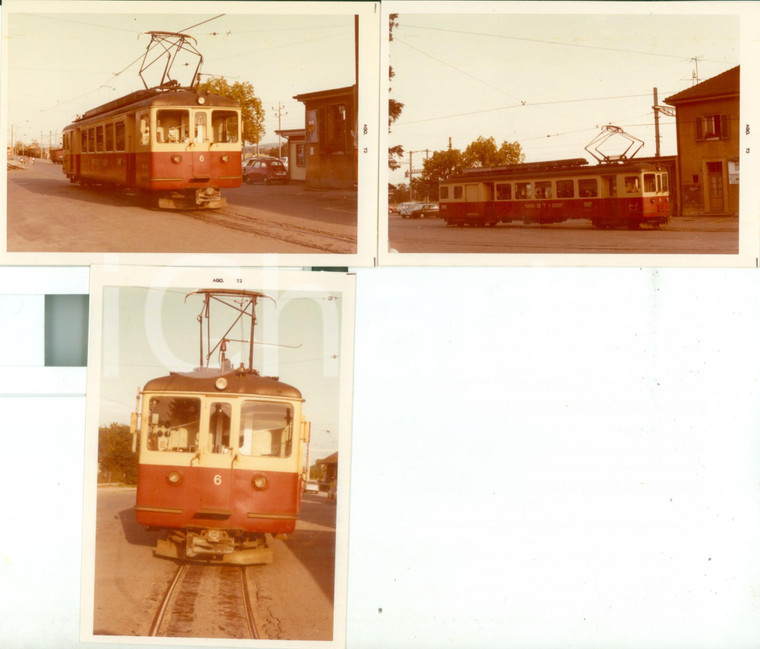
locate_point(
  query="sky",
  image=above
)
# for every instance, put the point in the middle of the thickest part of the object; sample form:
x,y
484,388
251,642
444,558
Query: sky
x,y
547,81
62,64
148,332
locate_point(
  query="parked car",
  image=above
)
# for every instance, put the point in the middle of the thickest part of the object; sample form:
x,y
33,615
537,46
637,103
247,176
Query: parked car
x,y
424,210
266,170
311,487
406,209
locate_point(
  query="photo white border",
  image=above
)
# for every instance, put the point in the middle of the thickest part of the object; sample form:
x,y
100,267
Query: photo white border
x,y
749,200
252,279
366,227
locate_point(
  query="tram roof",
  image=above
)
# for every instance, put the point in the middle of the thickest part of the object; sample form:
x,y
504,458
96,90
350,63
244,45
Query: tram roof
x,y
570,167
157,97
239,382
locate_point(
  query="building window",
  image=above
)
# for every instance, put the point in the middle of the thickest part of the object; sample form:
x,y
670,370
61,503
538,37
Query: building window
x,y
300,159
712,127
335,129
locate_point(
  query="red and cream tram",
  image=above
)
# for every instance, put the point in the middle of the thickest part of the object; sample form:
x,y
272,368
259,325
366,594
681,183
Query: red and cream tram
x,y
220,453
178,144
626,194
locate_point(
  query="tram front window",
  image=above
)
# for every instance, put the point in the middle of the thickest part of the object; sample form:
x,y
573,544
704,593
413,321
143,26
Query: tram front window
x,y
201,134
266,429
172,126
219,428
174,424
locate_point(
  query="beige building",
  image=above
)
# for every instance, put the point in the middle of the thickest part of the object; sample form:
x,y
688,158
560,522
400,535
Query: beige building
x,y
296,152
707,128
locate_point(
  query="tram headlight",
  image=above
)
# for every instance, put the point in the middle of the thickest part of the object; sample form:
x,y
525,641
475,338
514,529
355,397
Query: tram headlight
x,y
176,158
174,477
259,482
201,100
220,383
225,158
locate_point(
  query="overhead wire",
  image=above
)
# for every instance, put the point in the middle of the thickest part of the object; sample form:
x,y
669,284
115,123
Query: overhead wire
x,y
559,43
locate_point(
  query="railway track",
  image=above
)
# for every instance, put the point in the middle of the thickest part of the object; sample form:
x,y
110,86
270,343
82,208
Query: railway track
x,y
203,601
308,236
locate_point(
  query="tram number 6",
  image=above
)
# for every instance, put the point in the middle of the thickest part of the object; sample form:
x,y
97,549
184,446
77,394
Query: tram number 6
x,y
217,479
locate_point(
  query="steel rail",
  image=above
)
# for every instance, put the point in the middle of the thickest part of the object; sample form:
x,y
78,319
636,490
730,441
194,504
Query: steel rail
x,y
159,617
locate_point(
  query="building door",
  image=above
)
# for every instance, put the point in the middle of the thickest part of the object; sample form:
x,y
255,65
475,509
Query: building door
x,y
715,186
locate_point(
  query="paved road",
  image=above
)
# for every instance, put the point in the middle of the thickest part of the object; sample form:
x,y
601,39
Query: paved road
x,y
684,235
46,213
294,594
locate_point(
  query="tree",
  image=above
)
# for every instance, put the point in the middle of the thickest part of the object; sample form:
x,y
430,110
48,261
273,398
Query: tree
x,y
394,106
251,110
115,457
484,153
439,166
480,153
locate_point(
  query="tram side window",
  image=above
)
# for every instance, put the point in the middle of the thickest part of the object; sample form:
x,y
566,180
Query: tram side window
x,y
84,141
443,193
523,190
224,124
588,188
632,185
99,138
543,189
121,143
219,428
266,429
665,183
173,424
503,192
565,189
650,184
458,191
91,141
109,137
172,126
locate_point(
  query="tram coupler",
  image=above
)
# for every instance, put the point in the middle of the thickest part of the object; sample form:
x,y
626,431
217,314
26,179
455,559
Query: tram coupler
x,y
202,198
215,547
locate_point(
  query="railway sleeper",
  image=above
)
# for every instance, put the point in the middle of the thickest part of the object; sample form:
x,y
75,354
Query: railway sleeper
x,y
216,546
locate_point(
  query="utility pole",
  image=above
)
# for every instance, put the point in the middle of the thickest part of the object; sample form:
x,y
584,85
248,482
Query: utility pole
x,y
656,126
666,110
411,197
279,127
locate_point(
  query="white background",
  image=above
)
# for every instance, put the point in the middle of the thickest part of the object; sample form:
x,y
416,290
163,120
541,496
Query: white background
x,y
540,458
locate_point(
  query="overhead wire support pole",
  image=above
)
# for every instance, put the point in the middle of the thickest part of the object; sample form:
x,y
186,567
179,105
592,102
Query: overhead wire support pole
x,y
656,126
